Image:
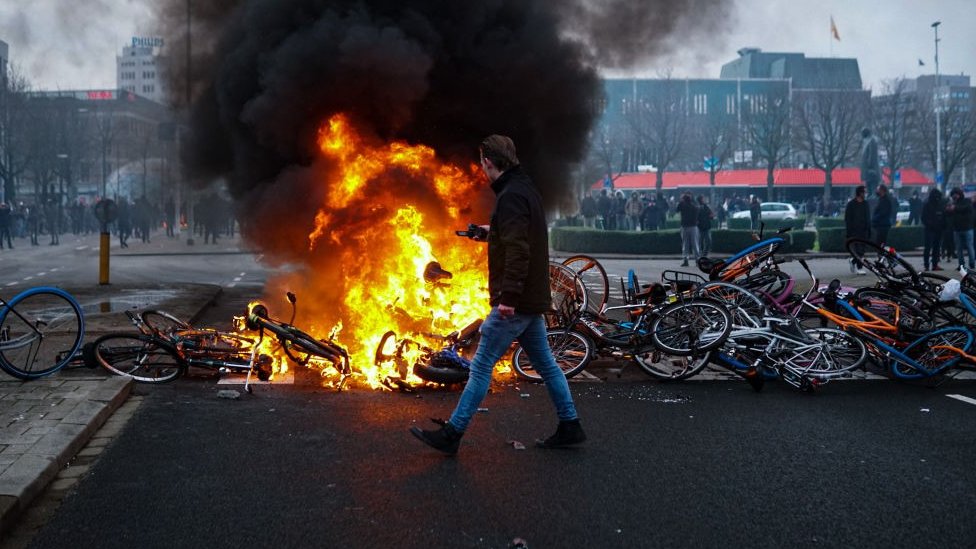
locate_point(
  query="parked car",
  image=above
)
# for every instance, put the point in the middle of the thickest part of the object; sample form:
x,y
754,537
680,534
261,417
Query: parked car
x,y
770,210
903,211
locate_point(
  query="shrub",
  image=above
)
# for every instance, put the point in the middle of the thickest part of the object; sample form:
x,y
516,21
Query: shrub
x,y
905,238
832,240
728,242
592,241
802,241
771,225
828,222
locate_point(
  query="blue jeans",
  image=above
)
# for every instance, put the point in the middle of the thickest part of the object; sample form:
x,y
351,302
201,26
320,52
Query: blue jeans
x,y
964,241
497,335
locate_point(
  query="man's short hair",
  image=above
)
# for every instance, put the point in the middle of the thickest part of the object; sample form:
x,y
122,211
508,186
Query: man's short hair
x,y
860,190
883,187
500,150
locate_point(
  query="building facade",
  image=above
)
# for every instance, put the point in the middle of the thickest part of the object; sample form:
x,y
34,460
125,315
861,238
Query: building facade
x,y
139,69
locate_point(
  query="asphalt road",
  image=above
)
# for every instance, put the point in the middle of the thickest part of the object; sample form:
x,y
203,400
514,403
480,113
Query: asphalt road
x,y
865,464
698,464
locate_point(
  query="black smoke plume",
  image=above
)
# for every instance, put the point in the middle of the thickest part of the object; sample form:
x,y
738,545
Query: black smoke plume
x,y
265,75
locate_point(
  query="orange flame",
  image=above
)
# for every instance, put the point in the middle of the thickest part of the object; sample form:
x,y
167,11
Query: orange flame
x,y
389,210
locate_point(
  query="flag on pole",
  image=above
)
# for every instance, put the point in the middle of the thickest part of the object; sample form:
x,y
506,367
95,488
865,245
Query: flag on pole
x,y
833,29
921,63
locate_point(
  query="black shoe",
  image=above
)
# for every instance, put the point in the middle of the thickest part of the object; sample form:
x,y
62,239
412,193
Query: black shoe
x,y
755,378
446,439
684,263
567,434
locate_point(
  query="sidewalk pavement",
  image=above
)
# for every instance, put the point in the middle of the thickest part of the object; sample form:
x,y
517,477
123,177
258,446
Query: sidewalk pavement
x,y
45,422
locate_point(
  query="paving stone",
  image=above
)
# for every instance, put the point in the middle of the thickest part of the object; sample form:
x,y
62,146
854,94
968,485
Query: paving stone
x,y
27,476
63,438
84,412
16,449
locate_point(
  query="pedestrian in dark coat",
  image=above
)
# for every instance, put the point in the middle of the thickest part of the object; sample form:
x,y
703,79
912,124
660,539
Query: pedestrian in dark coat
x,y
934,222
857,224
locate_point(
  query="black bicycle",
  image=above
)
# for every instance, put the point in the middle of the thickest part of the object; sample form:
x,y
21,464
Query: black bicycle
x,y
299,346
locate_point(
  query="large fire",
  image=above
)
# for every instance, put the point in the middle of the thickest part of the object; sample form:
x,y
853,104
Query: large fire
x,y
389,210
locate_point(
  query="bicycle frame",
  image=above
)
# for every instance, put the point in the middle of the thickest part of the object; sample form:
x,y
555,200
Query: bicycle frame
x,y
873,328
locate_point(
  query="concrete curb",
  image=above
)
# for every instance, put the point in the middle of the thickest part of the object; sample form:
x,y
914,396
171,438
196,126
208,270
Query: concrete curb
x,y
86,403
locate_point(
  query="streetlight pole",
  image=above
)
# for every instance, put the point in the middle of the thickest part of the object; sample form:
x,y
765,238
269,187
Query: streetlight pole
x,y
938,115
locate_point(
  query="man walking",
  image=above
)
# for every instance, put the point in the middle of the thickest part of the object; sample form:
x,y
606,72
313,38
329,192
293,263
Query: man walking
x,y
518,284
689,229
856,224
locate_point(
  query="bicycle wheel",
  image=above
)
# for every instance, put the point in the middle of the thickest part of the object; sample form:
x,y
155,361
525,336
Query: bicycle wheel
x,y
691,327
746,309
746,260
887,264
568,292
670,368
571,349
162,322
143,358
301,348
40,331
933,353
594,278
830,353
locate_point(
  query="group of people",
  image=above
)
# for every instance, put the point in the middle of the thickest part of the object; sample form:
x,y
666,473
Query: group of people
x,y
139,217
948,222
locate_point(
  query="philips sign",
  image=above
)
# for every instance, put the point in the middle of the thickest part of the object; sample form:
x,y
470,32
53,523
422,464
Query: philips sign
x,y
147,42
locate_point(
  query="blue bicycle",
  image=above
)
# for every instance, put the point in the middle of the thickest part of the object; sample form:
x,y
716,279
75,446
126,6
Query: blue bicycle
x,y
40,332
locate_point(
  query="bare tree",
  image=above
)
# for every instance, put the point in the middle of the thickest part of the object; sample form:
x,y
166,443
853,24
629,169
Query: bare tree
x,y
659,123
894,117
607,146
826,127
958,127
106,130
14,131
712,137
766,130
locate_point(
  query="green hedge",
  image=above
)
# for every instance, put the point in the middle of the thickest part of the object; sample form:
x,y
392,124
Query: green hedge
x,y
832,240
770,224
828,222
906,238
903,239
594,241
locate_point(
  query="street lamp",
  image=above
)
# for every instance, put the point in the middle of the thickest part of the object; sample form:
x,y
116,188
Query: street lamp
x,y
938,115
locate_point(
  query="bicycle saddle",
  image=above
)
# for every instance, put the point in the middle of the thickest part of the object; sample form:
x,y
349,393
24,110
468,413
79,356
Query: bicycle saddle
x,y
434,273
711,267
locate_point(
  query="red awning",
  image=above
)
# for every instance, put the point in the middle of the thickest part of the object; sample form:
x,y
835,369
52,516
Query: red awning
x,y
785,177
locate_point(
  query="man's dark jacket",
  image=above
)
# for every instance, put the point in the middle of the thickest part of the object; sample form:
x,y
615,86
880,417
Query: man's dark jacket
x,y
856,219
961,216
881,217
518,245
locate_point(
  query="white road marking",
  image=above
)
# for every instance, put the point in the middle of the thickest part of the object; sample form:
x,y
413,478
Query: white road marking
x,y
28,277
242,274
965,399
41,274
80,248
12,283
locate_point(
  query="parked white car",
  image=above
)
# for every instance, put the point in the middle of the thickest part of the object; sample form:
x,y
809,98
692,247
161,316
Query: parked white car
x,y
770,210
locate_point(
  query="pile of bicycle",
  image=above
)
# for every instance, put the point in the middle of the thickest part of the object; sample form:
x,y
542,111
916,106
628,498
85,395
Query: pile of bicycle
x,y
743,315
909,326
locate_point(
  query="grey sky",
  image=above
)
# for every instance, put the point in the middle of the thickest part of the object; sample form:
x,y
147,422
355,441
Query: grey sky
x,y
70,44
